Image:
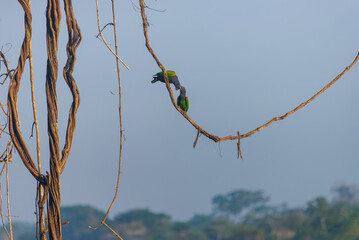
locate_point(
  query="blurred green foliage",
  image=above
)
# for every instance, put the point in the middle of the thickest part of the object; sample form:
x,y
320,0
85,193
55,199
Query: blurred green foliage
x,y
240,214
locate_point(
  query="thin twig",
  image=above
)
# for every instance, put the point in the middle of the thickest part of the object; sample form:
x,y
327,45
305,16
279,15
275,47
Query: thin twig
x,y
103,222
116,234
3,109
103,28
8,194
62,224
4,131
6,44
3,167
1,214
3,127
195,141
7,75
119,109
103,39
34,105
40,221
239,152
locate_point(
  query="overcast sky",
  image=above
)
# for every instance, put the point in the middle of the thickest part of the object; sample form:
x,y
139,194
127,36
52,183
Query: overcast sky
x,y
242,63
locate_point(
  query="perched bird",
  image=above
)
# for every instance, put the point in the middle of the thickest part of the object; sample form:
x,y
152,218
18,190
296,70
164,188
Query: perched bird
x,y
182,100
172,78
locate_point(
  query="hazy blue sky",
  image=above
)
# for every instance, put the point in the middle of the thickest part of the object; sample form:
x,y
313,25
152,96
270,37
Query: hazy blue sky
x,y
242,63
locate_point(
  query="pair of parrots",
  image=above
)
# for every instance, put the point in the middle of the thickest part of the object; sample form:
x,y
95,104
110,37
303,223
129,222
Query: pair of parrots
x,y
182,100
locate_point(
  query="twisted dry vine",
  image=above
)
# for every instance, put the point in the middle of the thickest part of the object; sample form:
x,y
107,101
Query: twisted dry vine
x,y
51,182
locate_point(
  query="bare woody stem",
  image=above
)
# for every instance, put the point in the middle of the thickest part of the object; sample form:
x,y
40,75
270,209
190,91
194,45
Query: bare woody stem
x,y
303,104
40,192
103,222
8,197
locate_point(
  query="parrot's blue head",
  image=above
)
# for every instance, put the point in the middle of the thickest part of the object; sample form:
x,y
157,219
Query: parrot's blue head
x,y
182,94
175,81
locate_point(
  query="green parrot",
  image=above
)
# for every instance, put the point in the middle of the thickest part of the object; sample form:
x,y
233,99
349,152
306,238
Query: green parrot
x,y
182,100
172,78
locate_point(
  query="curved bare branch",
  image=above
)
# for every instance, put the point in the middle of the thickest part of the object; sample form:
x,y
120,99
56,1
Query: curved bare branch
x,y
199,128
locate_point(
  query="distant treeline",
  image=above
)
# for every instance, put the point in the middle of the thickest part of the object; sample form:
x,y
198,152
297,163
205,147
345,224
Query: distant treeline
x,y
238,215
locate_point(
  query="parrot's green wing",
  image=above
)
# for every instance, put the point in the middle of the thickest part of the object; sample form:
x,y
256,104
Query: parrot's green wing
x,y
186,104
170,73
160,76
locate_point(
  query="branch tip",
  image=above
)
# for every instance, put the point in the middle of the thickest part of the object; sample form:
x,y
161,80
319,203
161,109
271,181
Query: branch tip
x,y
195,141
239,152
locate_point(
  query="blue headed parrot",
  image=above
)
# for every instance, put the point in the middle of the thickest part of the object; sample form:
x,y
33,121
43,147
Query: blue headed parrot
x,y
172,78
182,100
